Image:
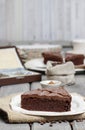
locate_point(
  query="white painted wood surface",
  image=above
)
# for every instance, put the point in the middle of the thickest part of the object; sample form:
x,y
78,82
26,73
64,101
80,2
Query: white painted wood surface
x,y
39,20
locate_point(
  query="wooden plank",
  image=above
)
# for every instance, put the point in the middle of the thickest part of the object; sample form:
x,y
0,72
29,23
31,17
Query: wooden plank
x,y
13,20
79,86
54,126
80,125
23,20
6,90
2,20
35,85
6,126
45,19
37,29
67,20
28,19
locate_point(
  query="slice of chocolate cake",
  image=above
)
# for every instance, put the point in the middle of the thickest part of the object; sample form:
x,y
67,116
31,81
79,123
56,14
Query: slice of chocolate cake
x,y
53,100
52,56
77,59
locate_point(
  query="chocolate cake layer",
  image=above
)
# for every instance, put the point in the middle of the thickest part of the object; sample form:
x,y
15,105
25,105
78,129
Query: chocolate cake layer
x,y
57,100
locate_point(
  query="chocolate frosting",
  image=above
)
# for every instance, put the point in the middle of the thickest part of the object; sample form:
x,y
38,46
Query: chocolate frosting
x,y
50,93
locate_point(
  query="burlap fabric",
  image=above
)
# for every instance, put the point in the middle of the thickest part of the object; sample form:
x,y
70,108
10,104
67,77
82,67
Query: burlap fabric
x,y
15,117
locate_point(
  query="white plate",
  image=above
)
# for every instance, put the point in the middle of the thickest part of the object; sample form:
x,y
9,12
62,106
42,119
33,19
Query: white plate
x,y
77,107
38,65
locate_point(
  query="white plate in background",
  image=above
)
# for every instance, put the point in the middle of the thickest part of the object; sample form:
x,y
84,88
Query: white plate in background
x,y
37,64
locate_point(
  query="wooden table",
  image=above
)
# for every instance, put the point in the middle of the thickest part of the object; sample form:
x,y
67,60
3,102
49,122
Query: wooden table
x,y
79,87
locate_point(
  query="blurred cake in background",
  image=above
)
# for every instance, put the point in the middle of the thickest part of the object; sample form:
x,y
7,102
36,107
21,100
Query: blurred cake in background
x,y
77,59
52,56
33,51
